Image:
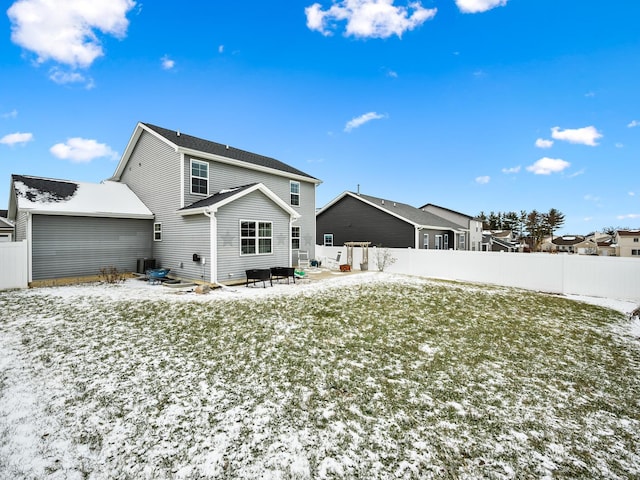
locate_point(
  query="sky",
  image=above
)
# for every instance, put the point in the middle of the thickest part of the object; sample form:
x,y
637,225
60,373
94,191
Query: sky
x,y
473,105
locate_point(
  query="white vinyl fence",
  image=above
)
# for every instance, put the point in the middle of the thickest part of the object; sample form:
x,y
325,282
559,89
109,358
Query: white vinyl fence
x,y
606,277
13,265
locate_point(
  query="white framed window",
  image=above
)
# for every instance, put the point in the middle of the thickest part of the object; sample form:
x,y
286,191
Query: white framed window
x,y
295,238
636,239
157,232
256,238
294,188
635,252
425,241
462,244
328,240
438,245
199,177
446,242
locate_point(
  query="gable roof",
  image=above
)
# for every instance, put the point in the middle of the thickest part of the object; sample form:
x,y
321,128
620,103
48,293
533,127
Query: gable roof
x,y
64,197
5,224
213,202
569,240
199,147
403,211
448,210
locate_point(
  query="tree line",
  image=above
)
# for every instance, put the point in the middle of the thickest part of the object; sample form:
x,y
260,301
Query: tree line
x,y
532,226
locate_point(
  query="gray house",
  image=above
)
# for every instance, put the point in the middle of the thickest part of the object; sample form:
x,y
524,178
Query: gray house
x,y
354,217
205,210
218,210
74,228
7,230
471,239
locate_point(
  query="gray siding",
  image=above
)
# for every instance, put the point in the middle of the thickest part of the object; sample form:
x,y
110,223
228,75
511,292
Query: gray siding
x,y
154,174
350,220
222,176
80,246
254,207
21,226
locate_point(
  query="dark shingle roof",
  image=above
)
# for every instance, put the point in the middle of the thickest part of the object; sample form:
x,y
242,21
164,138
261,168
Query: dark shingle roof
x,y
207,146
217,197
568,240
413,214
4,213
54,190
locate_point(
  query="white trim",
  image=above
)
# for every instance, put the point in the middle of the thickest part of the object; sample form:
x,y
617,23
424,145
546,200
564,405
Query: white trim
x,y
197,153
291,237
191,177
88,214
29,235
182,178
324,239
291,193
159,231
259,186
256,238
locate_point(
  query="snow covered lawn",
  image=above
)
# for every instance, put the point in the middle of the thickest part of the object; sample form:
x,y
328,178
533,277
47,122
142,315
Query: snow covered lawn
x,y
368,376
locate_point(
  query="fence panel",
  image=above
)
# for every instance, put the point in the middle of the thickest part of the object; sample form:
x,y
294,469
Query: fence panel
x,y
607,277
13,265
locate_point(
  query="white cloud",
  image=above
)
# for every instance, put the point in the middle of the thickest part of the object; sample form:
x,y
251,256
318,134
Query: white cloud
x,y
632,194
511,170
584,136
547,166
478,6
167,63
630,215
619,145
62,77
12,114
65,30
16,138
392,74
591,198
577,174
82,150
221,49
368,18
543,143
483,180
361,120
634,123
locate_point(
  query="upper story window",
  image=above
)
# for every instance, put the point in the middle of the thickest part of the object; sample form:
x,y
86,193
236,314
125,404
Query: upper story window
x,y
294,187
256,238
199,177
636,239
157,232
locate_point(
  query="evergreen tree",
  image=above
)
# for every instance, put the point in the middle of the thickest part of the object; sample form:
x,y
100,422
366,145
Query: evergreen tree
x,y
554,219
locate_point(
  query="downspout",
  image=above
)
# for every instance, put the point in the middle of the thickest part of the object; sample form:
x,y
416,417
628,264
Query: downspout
x,y
29,247
182,168
213,241
416,240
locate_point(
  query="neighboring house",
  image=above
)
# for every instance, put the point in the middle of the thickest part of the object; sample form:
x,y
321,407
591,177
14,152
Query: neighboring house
x,y
471,225
499,241
218,210
75,229
571,244
628,243
354,217
6,227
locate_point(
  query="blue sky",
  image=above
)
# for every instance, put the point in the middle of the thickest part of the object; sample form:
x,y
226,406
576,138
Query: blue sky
x,y
475,105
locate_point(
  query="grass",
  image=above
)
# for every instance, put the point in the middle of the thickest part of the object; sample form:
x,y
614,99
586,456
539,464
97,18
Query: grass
x,y
400,378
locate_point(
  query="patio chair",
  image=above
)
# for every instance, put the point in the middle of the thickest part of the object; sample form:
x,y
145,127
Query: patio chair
x,y
333,263
303,259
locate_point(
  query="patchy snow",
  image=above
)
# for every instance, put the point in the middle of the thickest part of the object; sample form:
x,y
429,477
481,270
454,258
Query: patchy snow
x,y
109,396
93,199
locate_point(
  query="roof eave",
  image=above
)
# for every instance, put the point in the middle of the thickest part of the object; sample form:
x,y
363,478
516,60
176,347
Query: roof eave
x,y
239,163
